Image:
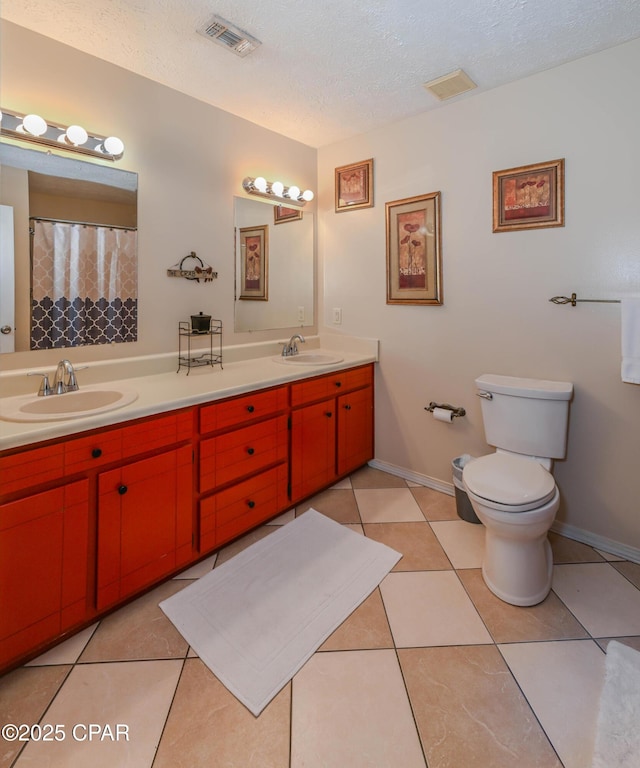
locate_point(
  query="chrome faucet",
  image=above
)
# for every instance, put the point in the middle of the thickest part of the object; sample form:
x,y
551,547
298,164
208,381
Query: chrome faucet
x,y
292,347
60,386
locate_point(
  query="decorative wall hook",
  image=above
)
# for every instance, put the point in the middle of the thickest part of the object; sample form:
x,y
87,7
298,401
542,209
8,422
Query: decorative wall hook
x,y
203,271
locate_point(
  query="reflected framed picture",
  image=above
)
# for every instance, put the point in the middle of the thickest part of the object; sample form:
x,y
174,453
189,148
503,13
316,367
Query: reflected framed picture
x,y
529,197
282,214
354,186
254,263
414,251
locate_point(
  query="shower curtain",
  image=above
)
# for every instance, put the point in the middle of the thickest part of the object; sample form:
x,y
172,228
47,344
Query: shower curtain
x,y
83,284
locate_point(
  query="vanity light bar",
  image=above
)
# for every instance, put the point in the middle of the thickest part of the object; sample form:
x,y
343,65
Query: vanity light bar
x,y
74,138
276,191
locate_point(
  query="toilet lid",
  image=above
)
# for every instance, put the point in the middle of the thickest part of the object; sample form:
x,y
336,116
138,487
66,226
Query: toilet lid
x,y
509,480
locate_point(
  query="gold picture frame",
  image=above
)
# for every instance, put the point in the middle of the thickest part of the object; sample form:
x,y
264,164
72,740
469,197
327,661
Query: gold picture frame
x,y
529,197
254,263
282,214
354,186
414,250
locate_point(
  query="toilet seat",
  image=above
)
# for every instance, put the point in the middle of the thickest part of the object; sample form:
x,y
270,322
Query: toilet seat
x,y
509,483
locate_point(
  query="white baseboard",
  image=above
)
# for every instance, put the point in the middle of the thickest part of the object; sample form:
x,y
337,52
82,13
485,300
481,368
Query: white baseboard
x,y
564,529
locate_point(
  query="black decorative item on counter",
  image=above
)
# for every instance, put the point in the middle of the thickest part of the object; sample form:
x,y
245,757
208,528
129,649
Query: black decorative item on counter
x,y
200,323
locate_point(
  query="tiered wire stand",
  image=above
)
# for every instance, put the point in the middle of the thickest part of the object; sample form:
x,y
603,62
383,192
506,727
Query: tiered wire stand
x,y
189,357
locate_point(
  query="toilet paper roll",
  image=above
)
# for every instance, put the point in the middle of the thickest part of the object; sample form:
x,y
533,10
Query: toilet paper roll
x,y
443,414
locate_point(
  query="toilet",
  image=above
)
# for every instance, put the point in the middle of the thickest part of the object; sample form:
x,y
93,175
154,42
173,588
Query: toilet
x,y
512,491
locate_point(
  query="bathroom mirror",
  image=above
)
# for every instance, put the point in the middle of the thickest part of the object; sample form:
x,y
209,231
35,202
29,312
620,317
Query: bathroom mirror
x,y
286,296
36,186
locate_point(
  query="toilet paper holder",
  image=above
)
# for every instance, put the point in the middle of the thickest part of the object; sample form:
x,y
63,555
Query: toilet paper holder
x,y
445,406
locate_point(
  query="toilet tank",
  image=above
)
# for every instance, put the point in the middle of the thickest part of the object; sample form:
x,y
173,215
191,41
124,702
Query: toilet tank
x,y
527,416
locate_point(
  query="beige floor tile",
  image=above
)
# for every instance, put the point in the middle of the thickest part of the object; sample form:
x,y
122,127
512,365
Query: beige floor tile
x,y
68,651
344,484
139,630
199,569
602,600
136,695
367,627
608,556
632,642
568,551
549,620
351,709
562,682
208,726
420,549
388,505
463,542
470,712
431,608
25,694
232,549
369,477
339,505
434,504
284,518
629,570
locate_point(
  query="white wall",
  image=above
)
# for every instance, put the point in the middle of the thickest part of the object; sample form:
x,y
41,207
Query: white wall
x,y
190,158
496,315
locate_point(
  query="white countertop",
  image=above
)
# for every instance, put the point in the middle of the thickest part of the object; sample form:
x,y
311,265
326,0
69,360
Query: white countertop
x,y
168,390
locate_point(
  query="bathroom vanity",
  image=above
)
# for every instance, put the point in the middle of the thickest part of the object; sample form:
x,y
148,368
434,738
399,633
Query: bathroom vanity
x,y
90,518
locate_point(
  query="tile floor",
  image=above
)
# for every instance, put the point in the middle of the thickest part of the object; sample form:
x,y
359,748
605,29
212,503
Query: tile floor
x,y
432,669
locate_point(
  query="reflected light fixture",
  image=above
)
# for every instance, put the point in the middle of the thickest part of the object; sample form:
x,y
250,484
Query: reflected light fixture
x,y
74,138
277,192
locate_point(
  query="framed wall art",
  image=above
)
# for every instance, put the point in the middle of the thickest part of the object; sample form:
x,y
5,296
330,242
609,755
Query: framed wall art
x,y
354,186
282,214
254,262
529,197
414,252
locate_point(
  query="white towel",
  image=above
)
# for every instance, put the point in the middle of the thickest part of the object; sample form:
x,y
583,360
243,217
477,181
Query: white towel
x,y
630,318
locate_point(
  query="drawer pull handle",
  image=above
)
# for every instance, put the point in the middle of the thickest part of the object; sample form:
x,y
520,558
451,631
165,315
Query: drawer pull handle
x,y
328,414
251,451
338,383
251,408
347,407
96,453
122,489
251,504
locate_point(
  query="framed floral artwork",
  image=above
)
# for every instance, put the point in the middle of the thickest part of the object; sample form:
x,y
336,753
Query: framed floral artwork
x,y
254,262
529,197
414,251
282,214
354,186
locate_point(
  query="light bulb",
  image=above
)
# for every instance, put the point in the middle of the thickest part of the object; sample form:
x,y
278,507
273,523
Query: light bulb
x,y
277,188
77,135
293,192
307,195
260,184
34,125
113,145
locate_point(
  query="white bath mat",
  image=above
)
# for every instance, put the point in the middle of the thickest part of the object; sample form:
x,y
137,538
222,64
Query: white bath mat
x,y
257,618
617,742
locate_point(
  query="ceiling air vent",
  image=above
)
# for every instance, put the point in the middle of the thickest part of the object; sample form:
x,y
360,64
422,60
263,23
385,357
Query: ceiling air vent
x,y
221,32
448,86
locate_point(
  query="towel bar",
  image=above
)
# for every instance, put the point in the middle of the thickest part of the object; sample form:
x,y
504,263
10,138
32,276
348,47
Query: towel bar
x,y
573,300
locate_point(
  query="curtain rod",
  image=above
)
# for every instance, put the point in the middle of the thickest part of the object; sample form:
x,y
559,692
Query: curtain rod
x,y
82,223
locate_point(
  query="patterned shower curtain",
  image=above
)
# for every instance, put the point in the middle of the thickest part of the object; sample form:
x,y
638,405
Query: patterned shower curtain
x,y
83,284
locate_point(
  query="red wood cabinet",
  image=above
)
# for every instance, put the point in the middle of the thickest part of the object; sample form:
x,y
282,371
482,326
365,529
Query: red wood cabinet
x,y
44,567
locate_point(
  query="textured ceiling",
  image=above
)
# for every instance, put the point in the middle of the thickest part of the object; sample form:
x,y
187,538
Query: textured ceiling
x,y
329,69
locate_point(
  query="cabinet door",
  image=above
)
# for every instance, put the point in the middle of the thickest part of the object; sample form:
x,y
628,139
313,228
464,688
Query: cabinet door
x,y
355,430
44,551
313,448
145,523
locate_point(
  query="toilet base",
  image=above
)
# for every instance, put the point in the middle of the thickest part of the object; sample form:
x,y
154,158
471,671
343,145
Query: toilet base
x,y
527,585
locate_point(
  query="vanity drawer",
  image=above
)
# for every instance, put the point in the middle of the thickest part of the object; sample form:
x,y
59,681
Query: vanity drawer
x,y
20,471
238,509
159,432
323,387
239,410
94,451
242,452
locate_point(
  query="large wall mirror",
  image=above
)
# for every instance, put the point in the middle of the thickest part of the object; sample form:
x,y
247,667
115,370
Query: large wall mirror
x,y
71,265
274,266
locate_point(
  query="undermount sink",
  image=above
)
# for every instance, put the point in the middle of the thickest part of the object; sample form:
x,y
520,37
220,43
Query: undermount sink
x,y
71,405
309,358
